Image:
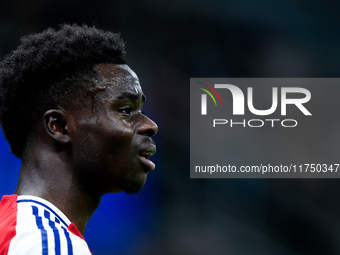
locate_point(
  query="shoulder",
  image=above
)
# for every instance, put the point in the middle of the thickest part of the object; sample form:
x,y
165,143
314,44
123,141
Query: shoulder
x,y
39,227
8,215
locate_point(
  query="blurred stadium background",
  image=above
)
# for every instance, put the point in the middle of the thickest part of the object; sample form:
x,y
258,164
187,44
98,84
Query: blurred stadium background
x,y
167,43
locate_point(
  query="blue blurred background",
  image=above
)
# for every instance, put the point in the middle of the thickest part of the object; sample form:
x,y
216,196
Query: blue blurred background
x,y
167,43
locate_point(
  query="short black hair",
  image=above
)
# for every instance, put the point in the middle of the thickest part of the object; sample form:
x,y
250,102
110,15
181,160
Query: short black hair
x,y
49,69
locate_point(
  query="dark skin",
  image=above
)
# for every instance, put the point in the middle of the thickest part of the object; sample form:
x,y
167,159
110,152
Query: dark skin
x,y
81,153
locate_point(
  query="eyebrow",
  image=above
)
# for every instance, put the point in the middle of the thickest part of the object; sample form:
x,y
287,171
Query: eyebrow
x,y
131,96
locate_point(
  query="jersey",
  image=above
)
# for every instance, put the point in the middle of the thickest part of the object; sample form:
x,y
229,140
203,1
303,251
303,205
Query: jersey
x,y
33,226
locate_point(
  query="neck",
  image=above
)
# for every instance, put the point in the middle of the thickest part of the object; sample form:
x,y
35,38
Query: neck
x,y
48,177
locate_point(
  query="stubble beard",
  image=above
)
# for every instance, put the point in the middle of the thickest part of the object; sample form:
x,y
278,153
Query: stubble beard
x,y
131,185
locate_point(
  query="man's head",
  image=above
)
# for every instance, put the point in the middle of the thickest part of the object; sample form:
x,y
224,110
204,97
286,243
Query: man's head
x,y
75,84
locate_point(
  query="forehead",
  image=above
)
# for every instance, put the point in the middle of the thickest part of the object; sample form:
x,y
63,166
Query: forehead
x,y
118,79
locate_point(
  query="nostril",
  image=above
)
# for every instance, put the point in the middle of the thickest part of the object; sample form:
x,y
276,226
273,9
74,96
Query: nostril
x,y
148,128
150,132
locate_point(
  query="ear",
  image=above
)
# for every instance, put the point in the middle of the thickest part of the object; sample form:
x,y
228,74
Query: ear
x,y
56,125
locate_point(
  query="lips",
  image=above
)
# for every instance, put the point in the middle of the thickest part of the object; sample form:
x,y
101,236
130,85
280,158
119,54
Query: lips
x,y
145,154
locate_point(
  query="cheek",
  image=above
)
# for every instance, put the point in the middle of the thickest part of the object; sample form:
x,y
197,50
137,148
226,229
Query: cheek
x,y
104,138
120,131
115,146
119,135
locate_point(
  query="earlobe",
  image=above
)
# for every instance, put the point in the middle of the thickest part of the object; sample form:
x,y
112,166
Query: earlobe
x,y
55,123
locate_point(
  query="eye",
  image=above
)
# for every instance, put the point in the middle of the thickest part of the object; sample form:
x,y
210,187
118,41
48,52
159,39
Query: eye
x,y
125,109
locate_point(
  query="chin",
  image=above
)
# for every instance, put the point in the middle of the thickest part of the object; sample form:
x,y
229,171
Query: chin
x,y
133,189
134,185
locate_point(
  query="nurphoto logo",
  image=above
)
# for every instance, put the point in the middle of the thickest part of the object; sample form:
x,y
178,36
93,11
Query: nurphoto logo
x,y
238,104
204,97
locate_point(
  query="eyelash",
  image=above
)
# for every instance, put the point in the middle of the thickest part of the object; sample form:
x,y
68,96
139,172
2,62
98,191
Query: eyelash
x,y
128,110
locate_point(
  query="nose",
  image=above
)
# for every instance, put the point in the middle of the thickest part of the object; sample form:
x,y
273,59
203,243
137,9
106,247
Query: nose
x,y
148,127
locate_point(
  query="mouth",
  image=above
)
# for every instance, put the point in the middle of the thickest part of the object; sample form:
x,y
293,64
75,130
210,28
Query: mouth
x,y
144,157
